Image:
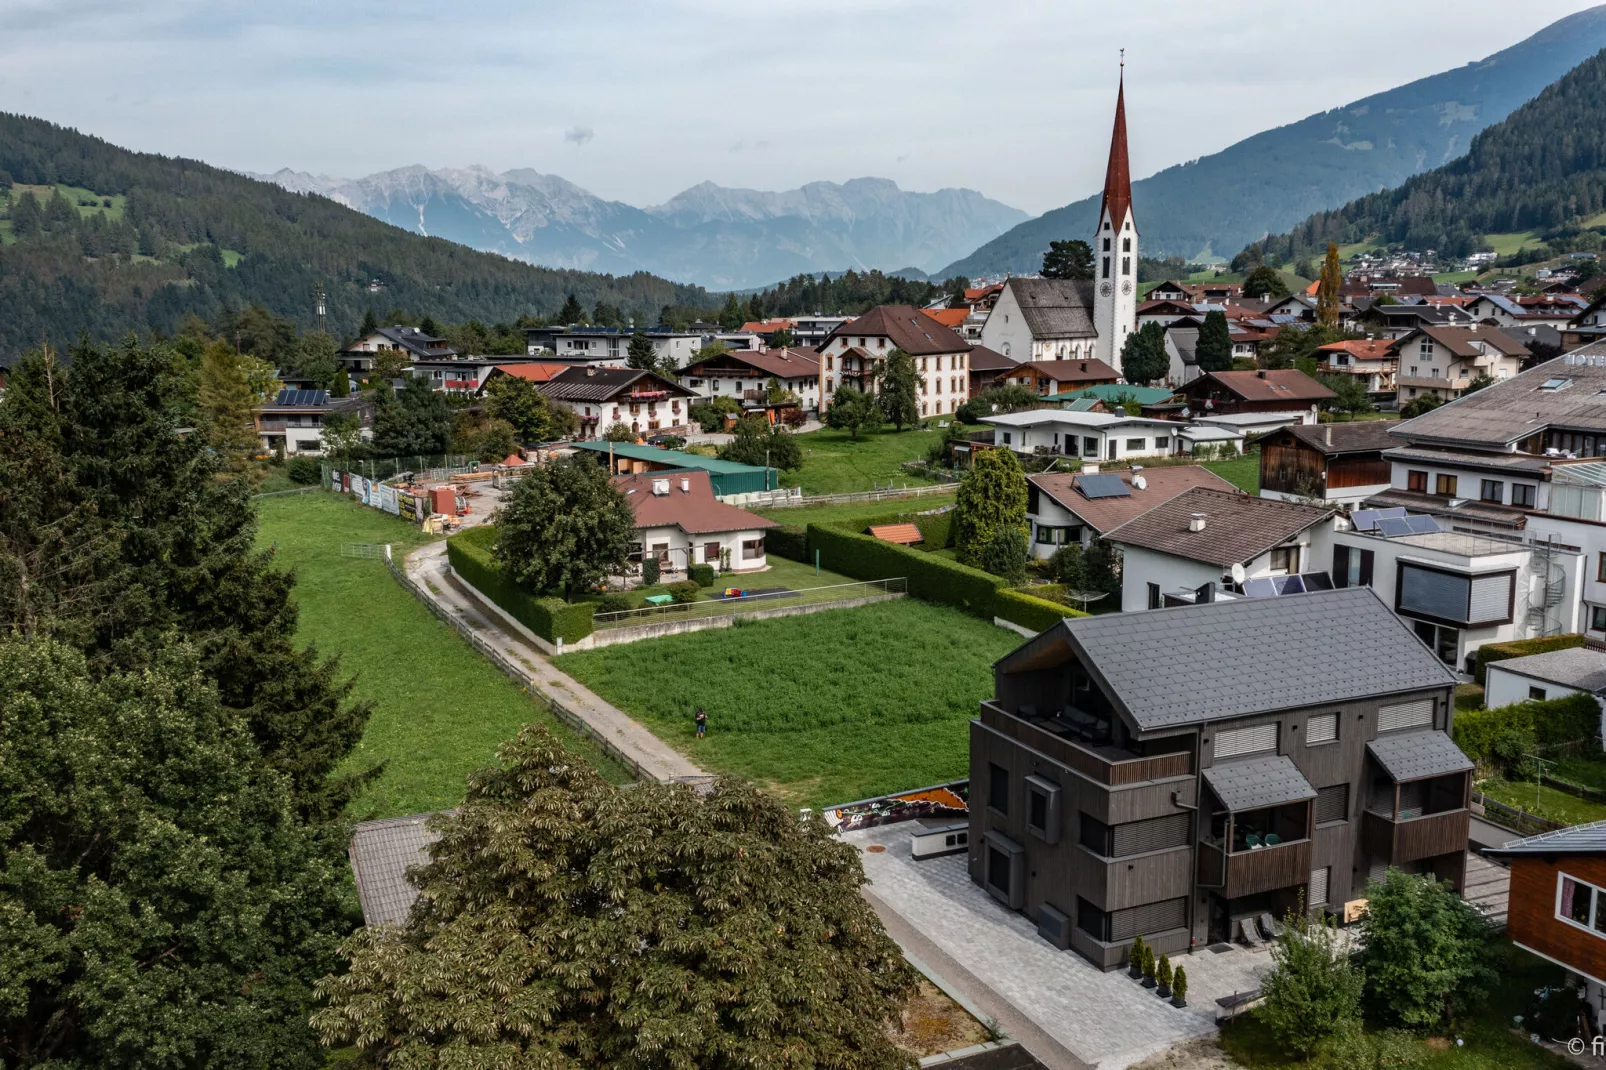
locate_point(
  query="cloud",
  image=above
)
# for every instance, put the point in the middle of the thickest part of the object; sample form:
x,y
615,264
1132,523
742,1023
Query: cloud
x,y
579,134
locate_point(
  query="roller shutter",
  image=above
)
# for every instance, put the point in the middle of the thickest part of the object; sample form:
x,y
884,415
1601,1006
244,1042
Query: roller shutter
x,y
1433,594
1318,886
1418,714
1256,739
1332,804
1323,728
1140,837
1491,598
1148,918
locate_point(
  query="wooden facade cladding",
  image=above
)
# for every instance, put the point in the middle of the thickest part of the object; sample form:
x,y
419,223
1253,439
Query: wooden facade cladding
x,y
1411,840
1290,466
1115,772
1264,869
1118,883
1531,916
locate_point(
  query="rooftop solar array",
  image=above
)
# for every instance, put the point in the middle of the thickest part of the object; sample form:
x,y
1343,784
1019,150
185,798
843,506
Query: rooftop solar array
x,y
1275,586
1102,486
290,396
1392,527
1366,519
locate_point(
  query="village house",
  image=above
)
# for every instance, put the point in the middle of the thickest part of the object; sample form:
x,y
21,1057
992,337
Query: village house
x,y
467,375
292,424
1341,464
1074,508
680,523
1206,539
643,401
1042,319
1501,310
747,375
1233,392
535,371
1095,436
1444,361
1155,775
988,368
412,343
1554,674
1060,376
851,355
1373,361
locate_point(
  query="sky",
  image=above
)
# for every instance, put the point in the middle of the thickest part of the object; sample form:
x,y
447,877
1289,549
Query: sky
x,y
636,101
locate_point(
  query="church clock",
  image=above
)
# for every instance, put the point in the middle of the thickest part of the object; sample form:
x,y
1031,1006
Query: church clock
x,y
1105,289
1126,286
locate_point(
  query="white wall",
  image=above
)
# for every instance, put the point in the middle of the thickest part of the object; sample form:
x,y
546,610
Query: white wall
x,y
1055,434
1502,687
1140,567
679,543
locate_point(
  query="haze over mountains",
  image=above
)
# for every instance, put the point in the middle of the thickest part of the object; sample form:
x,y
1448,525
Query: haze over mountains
x,y
708,235
1275,179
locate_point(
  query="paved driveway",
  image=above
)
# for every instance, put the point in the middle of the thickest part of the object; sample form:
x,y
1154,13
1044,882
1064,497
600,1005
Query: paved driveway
x,y
1103,1019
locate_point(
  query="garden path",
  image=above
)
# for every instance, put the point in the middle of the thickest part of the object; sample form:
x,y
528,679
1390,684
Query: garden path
x,y
426,567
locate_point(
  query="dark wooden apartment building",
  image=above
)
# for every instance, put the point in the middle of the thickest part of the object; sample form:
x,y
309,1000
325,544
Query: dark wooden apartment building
x,y
1171,774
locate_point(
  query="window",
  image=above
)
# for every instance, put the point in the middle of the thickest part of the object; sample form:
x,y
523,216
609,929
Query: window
x,y
1580,904
1090,919
1352,567
1285,559
1444,486
998,788
1095,836
1126,265
1322,728
1090,446
1442,641
1319,880
1154,596
1417,714
1043,809
1006,438
752,549
1136,445
1522,495
1006,864
1417,481
1105,269
1492,490
1332,804
1537,693
829,362
1162,443
1600,569
1256,739
1106,245
1126,245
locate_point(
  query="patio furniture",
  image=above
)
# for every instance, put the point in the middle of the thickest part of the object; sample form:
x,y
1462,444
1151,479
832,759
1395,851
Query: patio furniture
x,y
659,599
1270,926
1272,839
1252,841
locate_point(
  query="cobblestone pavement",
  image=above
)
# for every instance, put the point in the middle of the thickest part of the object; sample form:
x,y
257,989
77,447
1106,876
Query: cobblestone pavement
x,y
1104,1019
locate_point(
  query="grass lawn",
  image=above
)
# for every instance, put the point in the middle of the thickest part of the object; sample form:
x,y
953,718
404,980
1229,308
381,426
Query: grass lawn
x,y
782,572
821,709
440,709
858,511
1243,472
1556,805
1513,242
834,463
1590,772
1489,1040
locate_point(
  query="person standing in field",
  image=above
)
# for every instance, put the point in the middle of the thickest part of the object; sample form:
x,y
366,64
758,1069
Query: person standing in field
x,y
701,720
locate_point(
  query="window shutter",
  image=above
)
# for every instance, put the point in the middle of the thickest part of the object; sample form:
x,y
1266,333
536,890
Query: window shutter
x,y
1148,918
1318,886
1332,804
1322,728
1418,714
1491,598
1255,739
1157,834
1341,566
1434,594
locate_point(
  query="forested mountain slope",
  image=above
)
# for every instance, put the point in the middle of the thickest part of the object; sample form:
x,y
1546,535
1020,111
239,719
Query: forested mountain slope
x,y
138,241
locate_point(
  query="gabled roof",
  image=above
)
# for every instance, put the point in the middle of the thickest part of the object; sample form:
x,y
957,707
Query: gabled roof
x,y
952,318
766,326
1523,405
909,329
1237,528
1143,395
1171,668
1362,348
413,340
1288,384
1103,514
1464,341
1090,370
1359,436
578,383
1577,667
536,373
1256,783
1055,308
983,359
689,505
1418,755
902,534
785,363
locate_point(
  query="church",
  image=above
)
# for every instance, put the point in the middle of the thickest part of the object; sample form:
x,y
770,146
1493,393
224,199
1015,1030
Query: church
x,y
1077,319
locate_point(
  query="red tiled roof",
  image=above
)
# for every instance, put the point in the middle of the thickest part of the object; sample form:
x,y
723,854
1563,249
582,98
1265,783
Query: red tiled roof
x,y
1103,514
536,373
1361,348
692,510
902,534
948,317
767,326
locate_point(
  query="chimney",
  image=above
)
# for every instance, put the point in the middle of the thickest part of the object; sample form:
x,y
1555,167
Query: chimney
x,y
685,484
590,370
660,487
1327,435
1261,373
1197,522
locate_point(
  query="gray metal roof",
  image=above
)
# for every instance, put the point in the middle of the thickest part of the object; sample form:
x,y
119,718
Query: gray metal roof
x,y
1577,667
1256,783
1168,668
381,852
1512,410
1418,756
1587,839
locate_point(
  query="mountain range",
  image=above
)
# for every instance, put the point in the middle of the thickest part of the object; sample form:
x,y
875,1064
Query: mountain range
x,y
708,235
1271,181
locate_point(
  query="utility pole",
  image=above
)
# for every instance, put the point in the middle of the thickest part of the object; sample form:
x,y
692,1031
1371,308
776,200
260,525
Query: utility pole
x,y
321,309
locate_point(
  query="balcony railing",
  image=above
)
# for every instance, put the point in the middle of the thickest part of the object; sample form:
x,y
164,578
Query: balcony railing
x,y
1432,382
1106,765
1415,838
1261,869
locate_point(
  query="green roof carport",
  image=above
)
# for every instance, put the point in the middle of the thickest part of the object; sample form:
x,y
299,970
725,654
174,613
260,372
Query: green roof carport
x,y
1143,395
727,477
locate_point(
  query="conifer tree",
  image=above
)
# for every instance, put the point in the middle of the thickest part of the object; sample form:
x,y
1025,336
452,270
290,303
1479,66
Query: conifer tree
x,y
897,391
1213,352
1327,288
226,400
992,496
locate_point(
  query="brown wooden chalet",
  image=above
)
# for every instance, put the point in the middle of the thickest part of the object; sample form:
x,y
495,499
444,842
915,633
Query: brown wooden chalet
x,y
1329,462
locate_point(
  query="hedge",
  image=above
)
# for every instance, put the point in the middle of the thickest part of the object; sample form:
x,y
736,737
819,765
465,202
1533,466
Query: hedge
x,y
936,529
1558,720
1521,648
702,575
1038,614
790,542
551,618
931,578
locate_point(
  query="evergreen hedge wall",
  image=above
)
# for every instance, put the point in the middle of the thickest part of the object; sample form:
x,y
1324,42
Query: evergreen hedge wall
x,y
1521,648
551,618
1029,611
1557,720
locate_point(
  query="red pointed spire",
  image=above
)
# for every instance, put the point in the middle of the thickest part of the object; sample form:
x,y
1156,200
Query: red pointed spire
x,y
1118,175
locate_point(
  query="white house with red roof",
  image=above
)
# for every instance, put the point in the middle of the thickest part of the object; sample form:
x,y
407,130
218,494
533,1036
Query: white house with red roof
x,y
679,522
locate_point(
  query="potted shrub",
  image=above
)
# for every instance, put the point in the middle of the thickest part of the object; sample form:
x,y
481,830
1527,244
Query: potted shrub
x,y
1179,988
1162,977
1148,967
1134,962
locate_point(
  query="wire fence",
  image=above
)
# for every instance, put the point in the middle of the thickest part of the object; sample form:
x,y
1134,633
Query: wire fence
x,y
435,467
881,495
751,603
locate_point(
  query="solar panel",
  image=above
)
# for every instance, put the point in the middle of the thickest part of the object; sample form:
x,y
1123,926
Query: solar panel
x,y
1316,581
1364,519
1392,527
1423,525
1288,585
1103,486
1260,588
1393,510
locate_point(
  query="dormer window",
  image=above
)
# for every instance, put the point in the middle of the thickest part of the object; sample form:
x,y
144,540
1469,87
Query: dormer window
x,y
1555,384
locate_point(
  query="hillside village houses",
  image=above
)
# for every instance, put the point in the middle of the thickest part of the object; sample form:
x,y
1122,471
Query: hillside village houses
x,y
746,375
643,401
852,354
1444,361
1075,508
292,424
358,356
679,523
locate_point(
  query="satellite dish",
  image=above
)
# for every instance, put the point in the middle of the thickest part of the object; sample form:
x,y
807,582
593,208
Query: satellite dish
x,y
1238,574
1139,483
1185,413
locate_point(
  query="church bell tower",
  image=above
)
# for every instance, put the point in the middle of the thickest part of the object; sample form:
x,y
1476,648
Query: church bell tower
x,y
1115,247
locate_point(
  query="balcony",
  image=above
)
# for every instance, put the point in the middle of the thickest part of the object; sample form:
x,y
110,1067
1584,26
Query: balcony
x,y
1414,838
1433,382
1108,765
1233,874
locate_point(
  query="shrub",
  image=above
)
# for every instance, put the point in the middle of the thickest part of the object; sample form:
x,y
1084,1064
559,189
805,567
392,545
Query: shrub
x,y
683,591
1005,554
1179,984
1135,956
1425,951
614,602
701,575
1162,972
551,618
649,571
304,470
1068,568
1038,614
1486,734
789,542
1521,648
936,530
932,578
1312,989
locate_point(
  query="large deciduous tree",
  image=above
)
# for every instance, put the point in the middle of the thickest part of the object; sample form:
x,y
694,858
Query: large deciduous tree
x,y
1312,990
853,411
533,416
1143,358
1265,281
1068,260
1425,951
161,903
414,421
1213,351
898,391
757,442
567,923
1327,288
992,497
563,527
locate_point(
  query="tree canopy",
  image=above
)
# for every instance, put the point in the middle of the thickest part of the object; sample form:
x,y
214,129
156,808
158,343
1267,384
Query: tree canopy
x,y
1265,281
1144,358
898,390
992,497
563,527
568,923
531,414
415,420
853,411
1425,951
1327,302
758,442
1068,260
1213,352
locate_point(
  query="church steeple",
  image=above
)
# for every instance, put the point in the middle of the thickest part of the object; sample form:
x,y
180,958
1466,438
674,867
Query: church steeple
x,y
1118,173
1115,245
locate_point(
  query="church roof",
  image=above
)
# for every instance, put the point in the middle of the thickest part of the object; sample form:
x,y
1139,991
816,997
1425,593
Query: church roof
x,y
1055,308
1118,174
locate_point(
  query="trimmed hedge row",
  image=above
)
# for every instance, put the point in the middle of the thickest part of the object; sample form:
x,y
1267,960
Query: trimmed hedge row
x,y
790,542
1521,648
932,578
551,618
937,529
1557,720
